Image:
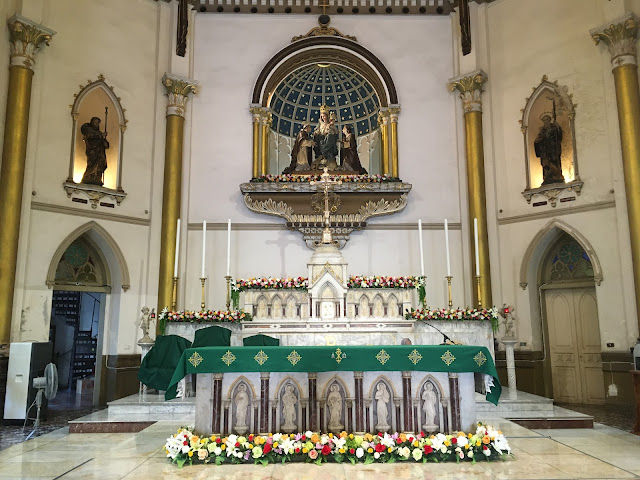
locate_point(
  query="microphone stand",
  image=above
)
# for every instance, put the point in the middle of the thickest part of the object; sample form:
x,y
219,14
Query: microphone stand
x,y
446,339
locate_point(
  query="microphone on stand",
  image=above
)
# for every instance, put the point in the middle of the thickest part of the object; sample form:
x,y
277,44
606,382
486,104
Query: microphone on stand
x,y
446,339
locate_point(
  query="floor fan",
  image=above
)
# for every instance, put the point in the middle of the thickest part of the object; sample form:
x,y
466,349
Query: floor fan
x,y
47,386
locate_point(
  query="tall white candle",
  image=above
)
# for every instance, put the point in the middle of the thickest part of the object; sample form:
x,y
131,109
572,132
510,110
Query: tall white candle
x,y
228,247
204,245
421,249
175,263
475,236
446,242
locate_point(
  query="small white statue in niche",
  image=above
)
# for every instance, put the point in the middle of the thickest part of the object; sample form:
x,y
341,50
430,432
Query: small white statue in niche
x,y
289,401
430,402
334,402
241,401
382,401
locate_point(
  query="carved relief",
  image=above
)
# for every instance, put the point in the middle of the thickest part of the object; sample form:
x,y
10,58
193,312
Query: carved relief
x,y
241,408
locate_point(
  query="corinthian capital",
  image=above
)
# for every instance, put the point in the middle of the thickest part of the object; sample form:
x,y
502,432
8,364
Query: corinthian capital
x,y
178,90
26,39
620,36
470,88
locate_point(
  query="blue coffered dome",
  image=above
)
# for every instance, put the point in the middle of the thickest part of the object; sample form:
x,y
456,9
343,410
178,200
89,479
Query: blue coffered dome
x,y
298,98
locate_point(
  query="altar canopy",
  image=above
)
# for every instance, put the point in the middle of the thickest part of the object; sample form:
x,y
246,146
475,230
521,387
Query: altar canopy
x,y
425,358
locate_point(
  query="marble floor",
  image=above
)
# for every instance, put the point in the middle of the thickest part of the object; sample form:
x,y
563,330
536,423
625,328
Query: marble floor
x,y
600,453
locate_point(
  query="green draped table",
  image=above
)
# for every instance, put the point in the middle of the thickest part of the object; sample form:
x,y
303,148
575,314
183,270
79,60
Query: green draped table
x,y
424,358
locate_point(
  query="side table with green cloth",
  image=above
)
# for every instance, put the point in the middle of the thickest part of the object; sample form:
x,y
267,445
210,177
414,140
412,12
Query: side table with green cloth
x,y
260,340
213,336
159,364
425,358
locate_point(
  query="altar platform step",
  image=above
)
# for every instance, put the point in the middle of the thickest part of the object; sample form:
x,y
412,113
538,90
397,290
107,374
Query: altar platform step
x,y
530,411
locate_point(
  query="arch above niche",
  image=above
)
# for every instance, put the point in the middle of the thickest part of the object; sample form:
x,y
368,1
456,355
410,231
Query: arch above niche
x,y
542,234
110,193
552,100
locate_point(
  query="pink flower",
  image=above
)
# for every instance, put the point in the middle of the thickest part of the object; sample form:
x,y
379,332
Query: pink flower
x,y
313,454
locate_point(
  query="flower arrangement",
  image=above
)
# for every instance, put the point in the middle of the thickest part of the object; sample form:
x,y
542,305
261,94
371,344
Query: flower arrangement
x,y
377,281
207,316
310,178
485,443
298,283
456,314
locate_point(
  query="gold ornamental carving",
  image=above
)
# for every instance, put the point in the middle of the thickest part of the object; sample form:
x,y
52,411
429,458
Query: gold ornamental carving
x,y
470,89
324,30
26,39
269,207
178,90
620,36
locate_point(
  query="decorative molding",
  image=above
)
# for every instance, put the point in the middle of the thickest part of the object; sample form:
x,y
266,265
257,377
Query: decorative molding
x,y
80,212
26,38
260,226
269,207
94,193
178,90
584,243
620,37
470,87
554,213
324,30
553,191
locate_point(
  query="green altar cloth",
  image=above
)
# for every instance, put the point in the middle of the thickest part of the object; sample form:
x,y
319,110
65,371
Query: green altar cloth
x,y
159,364
424,358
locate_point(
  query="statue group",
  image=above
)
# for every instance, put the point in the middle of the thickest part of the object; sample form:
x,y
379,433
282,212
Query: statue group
x,y
319,149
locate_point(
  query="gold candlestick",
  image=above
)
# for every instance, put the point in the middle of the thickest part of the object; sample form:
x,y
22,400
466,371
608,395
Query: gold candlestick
x,y
479,291
228,279
203,281
449,278
174,298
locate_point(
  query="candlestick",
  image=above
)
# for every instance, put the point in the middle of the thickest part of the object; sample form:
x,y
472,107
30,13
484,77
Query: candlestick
x,y
175,263
446,241
449,278
421,249
228,279
174,299
475,235
203,281
479,291
228,247
204,245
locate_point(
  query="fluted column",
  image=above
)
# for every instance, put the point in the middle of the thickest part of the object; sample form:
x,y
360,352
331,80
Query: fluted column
x,y
394,111
359,397
383,121
26,39
313,406
264,148
178,90
620,36
470,89
255,117
454,395
264,402
408,403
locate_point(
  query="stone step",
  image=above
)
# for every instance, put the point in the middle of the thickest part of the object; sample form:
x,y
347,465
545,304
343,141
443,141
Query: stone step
x,y
152,404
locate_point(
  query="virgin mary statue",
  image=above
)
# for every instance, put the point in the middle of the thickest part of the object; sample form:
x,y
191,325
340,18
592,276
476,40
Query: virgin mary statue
x,y
326,138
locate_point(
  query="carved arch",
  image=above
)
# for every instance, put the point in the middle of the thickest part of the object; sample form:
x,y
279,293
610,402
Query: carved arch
x,y
283,382
236,382
438,385
111,243
542,234
394,394
330,382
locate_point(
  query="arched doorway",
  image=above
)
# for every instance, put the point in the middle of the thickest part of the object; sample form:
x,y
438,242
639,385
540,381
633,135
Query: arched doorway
x,y
570,322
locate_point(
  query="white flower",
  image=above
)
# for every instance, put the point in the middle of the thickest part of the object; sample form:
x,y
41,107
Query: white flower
x,y
365,445
387,441
360,452
501,444
308,433
232,439
339,442
416,454
242,439
462,441
487,452
376,455
202,454
256,452
404,452
217,451
186,448
443,449
470,454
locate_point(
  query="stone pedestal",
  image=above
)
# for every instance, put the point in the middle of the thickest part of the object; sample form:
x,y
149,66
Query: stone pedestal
x,y
145,344
511,365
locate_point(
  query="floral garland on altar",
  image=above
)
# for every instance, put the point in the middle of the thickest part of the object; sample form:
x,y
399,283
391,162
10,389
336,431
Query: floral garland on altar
x,y
485,443
456,314
315,178
377,281
206,316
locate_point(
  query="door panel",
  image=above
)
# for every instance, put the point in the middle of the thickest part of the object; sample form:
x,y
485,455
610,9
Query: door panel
x,y
589,347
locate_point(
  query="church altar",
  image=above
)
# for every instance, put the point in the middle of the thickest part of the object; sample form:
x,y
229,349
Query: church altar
x,y
378,388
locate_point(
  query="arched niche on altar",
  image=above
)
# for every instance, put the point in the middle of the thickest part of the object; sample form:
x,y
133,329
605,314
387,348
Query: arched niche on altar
x,y
551,161
95,166
432,410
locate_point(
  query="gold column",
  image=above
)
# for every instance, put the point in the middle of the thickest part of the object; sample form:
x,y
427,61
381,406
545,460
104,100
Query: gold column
x,y
255,115
470,89
178,90
264,149
394,111
26,38
383,121
620,36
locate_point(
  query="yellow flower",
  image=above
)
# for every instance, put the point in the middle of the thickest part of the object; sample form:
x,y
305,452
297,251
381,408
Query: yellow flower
x,y
351,436
470,435
416,444
478,443
330,435
190,453
203,440
275,444
341,450
223,446
250,446
304,450
389,449
447,443
343,434
213,438
370,450
466,447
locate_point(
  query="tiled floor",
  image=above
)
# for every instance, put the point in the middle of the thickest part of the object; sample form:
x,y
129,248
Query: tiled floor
x,y
601,453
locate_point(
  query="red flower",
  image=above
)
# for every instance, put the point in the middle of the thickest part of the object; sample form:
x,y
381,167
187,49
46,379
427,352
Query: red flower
x,y
326,450
454,440
251,437
218,441
484,447
380,448
427,449
267,448
185,443
237,444
380,434
352,451
304,438
298,450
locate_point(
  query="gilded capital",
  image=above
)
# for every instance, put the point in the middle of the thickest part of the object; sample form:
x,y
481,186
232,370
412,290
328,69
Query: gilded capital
x,y
266,117
620,36
470,88
383,116
26,38
178,90
394,111
255,110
